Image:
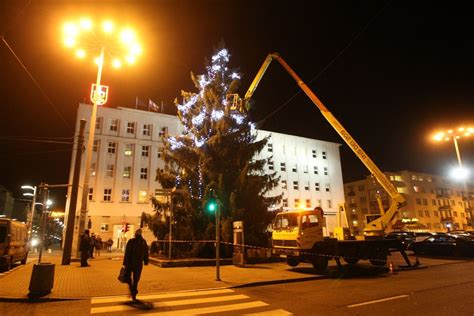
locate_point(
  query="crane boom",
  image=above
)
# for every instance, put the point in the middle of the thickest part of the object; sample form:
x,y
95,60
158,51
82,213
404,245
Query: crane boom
x,y
377,226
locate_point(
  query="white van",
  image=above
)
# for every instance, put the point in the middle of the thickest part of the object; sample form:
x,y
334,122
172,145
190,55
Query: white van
x,y
13,243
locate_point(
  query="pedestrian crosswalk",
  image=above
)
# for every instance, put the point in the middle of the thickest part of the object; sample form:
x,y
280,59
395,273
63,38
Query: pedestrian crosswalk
x,y
200,302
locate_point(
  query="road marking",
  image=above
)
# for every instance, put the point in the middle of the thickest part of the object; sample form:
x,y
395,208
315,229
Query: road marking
x,y
275,312
121,308
378,301
126,298
212,309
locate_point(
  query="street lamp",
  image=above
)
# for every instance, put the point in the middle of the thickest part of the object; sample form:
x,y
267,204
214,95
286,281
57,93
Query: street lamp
x,y
32,208
459,173
99,41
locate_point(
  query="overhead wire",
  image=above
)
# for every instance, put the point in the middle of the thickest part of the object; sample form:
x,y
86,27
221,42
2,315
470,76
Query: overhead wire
x,y
338,55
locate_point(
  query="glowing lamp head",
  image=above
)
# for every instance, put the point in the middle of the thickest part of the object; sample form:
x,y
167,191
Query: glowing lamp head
x,y
69,41
127,36
131,59
108,26
460,174
80,53
85,24
438,136
116,63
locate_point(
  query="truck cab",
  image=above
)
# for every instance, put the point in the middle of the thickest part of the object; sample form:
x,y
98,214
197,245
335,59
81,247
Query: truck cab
x,y
296,231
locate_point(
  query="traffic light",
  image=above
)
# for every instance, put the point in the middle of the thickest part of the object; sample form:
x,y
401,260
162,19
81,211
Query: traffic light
x,y
211,204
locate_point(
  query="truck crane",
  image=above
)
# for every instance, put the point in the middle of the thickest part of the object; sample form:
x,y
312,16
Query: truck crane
x,y
298,236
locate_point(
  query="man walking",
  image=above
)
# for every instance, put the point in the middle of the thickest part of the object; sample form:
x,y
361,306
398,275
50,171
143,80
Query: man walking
x,y
84,248
136,253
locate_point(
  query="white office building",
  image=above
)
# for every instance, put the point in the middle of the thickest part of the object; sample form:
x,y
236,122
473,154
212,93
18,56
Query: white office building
x,y
127,152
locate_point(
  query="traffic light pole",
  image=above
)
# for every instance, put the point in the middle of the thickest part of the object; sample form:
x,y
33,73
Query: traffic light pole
x,y
218,240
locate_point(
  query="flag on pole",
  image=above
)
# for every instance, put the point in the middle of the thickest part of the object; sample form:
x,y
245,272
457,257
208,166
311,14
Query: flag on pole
x,y
153,106
139,103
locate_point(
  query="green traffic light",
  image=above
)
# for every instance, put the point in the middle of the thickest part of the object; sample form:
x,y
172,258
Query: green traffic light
x,y
211,206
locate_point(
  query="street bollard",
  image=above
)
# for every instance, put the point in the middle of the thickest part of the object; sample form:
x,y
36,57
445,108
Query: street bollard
x,y
42,279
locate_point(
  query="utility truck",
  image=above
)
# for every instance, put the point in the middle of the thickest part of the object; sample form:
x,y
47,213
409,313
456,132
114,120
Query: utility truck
x,y
298,235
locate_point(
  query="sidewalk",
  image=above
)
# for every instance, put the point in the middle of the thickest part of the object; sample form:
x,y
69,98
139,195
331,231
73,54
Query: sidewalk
x,y
100,279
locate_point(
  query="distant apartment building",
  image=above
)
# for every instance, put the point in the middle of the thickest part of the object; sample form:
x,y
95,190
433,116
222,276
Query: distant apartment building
x,y
128,151
434,203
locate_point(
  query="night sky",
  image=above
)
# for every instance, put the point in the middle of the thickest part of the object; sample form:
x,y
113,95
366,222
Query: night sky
x,y
392,72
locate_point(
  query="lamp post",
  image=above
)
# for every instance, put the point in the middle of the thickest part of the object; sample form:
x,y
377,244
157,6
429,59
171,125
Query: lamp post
x,y
32,208
106,40
461,173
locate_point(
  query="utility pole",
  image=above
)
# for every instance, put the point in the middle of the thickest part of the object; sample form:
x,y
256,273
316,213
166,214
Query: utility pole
x,y
71,216
218,239
43,218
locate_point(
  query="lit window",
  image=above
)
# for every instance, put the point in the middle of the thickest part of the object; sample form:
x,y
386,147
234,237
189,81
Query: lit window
x,y
125,195
144,173
142,197
131,127
128,150
127,171
416,189
107,195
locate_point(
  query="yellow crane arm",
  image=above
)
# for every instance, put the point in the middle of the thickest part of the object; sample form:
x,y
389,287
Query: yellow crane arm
x,y
377,226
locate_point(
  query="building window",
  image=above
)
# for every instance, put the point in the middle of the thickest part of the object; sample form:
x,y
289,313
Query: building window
x,y
295,168
361,188
128,150
110,171
418,201
163,131
284,185
315,169
92,170
125,195
114,125
104,227
314,153
308,203
95,146
305,169
145,151
326,171
428,179
111,148
131,127
328,187
453,203
295,185
416,189
420,213
433,202
91,194
323,154
98,123
435,213
427,213
270,165
455,214
306,186
107,195
285,202
270,148
283,166
297,203
160,152
144,173
146,129
363,199
316,186
329,203
142,197
127,171
462,215
425,202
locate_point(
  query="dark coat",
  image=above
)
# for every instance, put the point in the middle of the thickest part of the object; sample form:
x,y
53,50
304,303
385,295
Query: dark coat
x,y
85,243
136,253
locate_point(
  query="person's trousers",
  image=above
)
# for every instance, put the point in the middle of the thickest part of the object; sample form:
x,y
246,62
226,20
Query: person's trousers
x,y
133,278
84,257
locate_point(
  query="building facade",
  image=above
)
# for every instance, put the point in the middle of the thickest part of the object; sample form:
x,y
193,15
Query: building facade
x,y
128,150
434,203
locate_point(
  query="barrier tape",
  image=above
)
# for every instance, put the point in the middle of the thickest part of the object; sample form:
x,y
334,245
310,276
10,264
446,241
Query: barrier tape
x,y
267,248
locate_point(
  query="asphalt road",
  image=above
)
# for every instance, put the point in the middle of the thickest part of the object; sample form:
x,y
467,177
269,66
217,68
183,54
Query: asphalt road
x,y
445,289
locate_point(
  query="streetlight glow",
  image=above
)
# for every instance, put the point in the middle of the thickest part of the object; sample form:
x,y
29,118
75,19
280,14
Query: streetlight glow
x,y
460,173
108,26
86,24
80,53
69,42
127,36
116,63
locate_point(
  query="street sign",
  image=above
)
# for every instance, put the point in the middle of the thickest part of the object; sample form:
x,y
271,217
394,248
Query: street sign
x,y
99,95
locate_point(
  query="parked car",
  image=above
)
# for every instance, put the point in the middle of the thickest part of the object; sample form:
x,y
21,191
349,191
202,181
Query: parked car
x,y
405,237
461,233
13,243
423,235
444,245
